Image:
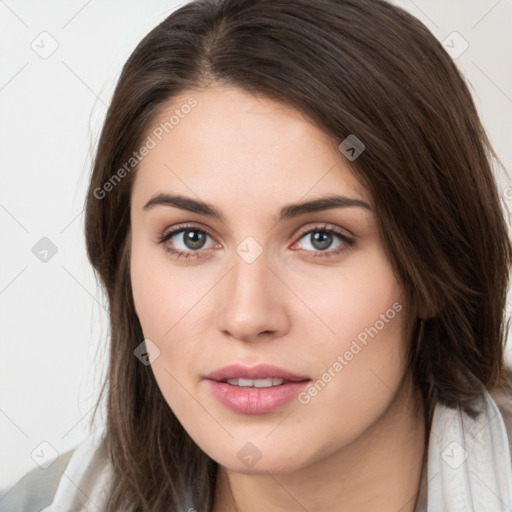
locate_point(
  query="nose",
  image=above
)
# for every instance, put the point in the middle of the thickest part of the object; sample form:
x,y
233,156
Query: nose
x,y
252,303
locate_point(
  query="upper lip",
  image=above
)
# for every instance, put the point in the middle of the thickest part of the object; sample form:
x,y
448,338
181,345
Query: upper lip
x,y
260,371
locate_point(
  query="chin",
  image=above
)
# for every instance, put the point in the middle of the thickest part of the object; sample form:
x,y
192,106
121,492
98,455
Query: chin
x,y
250,460
262,467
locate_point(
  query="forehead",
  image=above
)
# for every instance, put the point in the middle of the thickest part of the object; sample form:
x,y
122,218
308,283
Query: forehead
x,y
232,146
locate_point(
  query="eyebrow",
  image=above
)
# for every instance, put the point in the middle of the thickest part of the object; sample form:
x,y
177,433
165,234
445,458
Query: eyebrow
x,y
287,212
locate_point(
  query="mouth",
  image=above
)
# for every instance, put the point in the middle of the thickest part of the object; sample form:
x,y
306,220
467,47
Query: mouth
x,y
255,390
256,383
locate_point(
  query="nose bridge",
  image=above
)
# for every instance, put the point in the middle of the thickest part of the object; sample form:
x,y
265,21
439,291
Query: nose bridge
x,y
250,302
250,276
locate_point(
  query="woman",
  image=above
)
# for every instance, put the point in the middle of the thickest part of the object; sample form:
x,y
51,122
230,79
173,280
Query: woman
x,y
293,213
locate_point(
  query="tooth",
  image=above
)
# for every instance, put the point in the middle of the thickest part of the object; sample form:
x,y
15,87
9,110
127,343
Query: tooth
x,y
262,383
258,383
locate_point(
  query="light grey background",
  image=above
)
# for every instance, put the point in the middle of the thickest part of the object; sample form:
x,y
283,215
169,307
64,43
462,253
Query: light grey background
x,y
54,328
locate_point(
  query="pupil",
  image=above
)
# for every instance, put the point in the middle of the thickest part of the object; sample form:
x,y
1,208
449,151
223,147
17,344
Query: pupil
x,y
321,240
194,239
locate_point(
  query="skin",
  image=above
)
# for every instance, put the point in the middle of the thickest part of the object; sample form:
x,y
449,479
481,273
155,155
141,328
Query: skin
x,y
359,443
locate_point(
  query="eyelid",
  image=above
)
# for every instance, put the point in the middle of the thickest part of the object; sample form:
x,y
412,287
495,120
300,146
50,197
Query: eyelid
x,y
182,227
325,226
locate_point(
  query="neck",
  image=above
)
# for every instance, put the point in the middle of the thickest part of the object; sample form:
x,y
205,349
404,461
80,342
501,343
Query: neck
x,y
380,470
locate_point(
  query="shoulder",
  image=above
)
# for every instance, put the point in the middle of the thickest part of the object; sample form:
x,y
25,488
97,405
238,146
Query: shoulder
x,y
61,486
36,489
464,451
503,400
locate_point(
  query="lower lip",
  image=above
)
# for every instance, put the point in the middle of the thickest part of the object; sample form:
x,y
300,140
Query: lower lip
x,y
250,400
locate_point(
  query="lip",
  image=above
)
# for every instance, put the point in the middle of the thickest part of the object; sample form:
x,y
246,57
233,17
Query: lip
x,y
252,400
260,371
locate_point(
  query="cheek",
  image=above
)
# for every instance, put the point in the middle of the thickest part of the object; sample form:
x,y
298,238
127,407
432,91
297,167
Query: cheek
x,y
143,280
161,297
360,373
169,308
162,307
351,301
361,361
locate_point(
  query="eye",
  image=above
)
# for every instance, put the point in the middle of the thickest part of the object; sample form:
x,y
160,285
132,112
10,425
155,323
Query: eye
x,y
188,241
321,238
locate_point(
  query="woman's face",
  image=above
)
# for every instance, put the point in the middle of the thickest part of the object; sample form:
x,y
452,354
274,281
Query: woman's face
x,y
307,290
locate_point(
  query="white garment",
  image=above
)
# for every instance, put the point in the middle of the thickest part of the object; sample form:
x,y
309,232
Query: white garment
x,y
86,483
468,466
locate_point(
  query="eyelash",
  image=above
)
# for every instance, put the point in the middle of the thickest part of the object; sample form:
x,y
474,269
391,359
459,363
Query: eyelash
x,y
197,254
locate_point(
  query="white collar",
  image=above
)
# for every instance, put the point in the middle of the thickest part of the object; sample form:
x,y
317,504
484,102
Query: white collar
x,y
469,466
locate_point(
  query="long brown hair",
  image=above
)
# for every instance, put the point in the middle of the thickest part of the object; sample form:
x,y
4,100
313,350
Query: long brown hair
x,y
362,67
